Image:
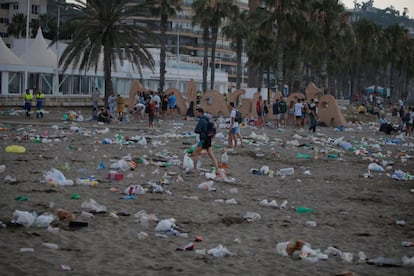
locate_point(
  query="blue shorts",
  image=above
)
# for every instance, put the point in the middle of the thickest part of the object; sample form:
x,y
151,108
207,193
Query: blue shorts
x,y
235,130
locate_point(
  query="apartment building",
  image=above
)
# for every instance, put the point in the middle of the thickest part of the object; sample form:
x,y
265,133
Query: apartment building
x,y
183,39
9,8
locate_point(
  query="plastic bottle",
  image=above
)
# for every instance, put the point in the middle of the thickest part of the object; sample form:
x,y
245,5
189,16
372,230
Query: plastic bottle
x,y
51,245
87,215
287,171
315,153
224,160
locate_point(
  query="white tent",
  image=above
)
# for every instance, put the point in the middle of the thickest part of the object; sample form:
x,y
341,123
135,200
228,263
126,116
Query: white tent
x,y
7,57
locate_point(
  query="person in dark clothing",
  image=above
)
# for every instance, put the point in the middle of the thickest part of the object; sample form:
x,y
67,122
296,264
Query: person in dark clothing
x,y
190,110
204,141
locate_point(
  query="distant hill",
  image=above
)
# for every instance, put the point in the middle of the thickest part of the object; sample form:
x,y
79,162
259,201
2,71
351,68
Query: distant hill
x,y
383,18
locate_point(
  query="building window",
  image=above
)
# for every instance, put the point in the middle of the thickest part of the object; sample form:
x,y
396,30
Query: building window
x,y
35,9
15,6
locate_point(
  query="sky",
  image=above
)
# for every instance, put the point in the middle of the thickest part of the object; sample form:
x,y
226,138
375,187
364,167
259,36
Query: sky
x,y
399,5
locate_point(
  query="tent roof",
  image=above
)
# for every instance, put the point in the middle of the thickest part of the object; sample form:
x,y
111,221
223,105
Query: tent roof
x,y
7,56
40,54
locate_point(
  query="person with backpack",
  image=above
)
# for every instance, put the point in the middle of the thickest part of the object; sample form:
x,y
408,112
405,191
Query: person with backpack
x,y
276,113
234,130
205,139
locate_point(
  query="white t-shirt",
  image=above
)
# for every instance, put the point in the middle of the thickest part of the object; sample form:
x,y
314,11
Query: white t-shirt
x,y
233,115
157,100
298,109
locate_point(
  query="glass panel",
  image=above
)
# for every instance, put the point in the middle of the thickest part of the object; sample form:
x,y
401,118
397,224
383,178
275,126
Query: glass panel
x,y
46,83
65,82
75,85
84,85
15,80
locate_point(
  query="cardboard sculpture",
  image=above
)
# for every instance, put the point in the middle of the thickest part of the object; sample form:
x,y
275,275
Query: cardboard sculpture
x,y
246,108
180,101
191,91
293,98
135,86
312,92
213,102
329,112
235,96
277,95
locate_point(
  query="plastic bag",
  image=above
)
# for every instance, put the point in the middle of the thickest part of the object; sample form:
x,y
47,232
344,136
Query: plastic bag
x,y
375,167
23,217
135,190
44,220
120,164
165,225
219,251
55,178
188,163
93,205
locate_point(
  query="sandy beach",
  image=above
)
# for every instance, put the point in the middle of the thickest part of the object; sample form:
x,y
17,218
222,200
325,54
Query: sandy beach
x,y
333,203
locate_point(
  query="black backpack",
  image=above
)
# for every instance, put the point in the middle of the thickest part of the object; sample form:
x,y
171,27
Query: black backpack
x,y
239,117
406,117
211,129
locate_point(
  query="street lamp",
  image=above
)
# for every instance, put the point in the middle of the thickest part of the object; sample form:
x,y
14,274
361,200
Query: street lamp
x,y
57,82
178,26
26,62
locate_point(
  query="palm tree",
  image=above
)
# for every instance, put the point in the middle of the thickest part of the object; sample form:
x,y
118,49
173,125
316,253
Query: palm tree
x,y
17,26
332,20
104,26
366,33
164,9
220,10
202,16
46,23
261,43
395,38
236,30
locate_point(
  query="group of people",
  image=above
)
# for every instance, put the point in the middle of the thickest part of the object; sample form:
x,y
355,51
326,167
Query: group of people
x,y
156,106
405,117
149,104
28,98
298,114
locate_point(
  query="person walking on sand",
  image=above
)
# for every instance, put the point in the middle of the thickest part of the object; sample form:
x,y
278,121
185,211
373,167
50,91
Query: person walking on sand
x,y
172,104
204,141
298,113
259,111
276,114
121,107
40,97
283,110
28,97
151,113
112,103
234,129
95,102
313,115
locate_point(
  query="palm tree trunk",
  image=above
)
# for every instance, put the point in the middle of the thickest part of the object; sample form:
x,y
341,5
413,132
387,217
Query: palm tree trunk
x,y
163,27
279,73
324,74
213,56
239,50
205,59
107,75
